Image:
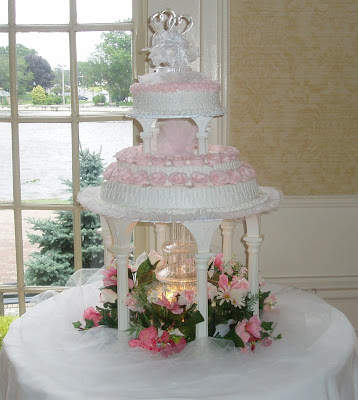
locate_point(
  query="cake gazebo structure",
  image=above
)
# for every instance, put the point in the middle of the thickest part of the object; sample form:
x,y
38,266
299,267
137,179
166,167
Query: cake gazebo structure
x,y
175,179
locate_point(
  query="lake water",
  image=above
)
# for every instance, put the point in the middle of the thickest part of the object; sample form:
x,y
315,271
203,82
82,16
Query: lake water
x,y
46,155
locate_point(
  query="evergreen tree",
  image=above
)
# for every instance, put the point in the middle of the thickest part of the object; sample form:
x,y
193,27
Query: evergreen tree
x,y
38,95
53,264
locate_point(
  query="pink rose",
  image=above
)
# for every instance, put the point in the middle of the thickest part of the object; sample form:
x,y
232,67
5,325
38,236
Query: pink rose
x,y
199,179
178,179
212,291
124,175
139,178
147,339
215,148
247,172
197,159
127,155
219,261
219,178
142,159
213,158
225,156
232,151
234,176
114,176
157,178
108,296
110,276
178,160
108,172
158,159
92,314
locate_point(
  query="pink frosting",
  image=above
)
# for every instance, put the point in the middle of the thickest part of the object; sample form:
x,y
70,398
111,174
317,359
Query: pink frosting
x,y
219,178
213,158
247,171
199,179
128,155
108,172
178,179
142,159
139,178
172,87
234,176
178,160
197,159
158,160
157,178
124,175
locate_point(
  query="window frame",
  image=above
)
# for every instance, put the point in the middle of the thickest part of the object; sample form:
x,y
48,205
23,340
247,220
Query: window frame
x,y
17,206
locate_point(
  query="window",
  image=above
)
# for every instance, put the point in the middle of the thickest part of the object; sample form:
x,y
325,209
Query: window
x,y
63,104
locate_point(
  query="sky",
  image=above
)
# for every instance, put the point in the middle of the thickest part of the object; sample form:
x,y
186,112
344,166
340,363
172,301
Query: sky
x,y
54,46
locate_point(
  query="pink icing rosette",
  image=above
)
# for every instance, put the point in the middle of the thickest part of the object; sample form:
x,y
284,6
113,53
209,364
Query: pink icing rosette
x,y
213,158
178,160
128,155
158,160
178,178
216,148
114,174
197,159
247,171
124,175
139,178
157,178
108,172
234,176
142,159
219,178
199,179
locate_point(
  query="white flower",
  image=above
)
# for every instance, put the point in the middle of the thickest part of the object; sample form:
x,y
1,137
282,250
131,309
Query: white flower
x,y
223,329
154,257
140,259
108,296
152,297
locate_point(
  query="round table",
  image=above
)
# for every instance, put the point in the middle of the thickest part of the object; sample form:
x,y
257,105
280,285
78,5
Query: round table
x,y
44,357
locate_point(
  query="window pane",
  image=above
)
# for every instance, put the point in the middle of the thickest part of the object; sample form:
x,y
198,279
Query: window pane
x,y
8,253
43,74
106,138
48,247
3,12
11,303
45,161
5,157
108,11
42,11
105,71
4,75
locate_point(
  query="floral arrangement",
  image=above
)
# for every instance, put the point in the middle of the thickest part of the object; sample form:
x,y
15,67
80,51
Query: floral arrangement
x,y
162,323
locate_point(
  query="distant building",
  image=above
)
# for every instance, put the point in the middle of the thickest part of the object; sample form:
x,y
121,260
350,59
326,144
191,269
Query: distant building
x,y
4,97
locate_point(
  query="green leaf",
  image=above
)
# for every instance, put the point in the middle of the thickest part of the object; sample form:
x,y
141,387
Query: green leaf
x,y
145,267
231,335
77,324
146,278
267,326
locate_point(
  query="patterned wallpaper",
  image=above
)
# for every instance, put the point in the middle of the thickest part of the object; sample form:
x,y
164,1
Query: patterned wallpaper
x,y
294,93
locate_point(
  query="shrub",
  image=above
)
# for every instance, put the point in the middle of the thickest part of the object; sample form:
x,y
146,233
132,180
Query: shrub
x,y
100,98
38,95
5,322
54,100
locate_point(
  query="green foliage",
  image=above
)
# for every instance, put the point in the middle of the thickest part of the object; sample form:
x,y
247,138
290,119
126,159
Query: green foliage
x,y
5,322
53,100
99,98
53,263
38,95
41,70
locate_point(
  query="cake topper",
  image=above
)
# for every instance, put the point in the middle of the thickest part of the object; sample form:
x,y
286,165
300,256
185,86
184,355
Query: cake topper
x,y
169,46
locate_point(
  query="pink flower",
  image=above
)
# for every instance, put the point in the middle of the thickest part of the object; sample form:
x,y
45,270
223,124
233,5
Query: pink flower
x,y
219,261
110,276
124,175
158,159
240,283
199,179
197,159
234,176
178,160
253,326
139,178
157,178
219,178
132,304
92,314
213,158
247,172
267,342
226,293
130,284
171,306
186,298
108,172
178,179
147,339
142,159
215,148
270,303
108,296
212,291
241,331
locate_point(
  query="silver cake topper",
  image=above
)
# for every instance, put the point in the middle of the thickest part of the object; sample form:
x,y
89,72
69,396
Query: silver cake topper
x,y
169,46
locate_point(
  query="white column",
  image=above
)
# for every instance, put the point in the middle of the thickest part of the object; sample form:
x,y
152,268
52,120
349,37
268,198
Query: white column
x,y
121,234
107,241
202,232
147,133
202,135
160,236
227,228
253,241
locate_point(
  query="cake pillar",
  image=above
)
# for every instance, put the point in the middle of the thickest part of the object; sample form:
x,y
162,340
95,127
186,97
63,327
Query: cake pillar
x,y
107,241
202,232
147,134
253,241
122,235
202,135
227,228
160,236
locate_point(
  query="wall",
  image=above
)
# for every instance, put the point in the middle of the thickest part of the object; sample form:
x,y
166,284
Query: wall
x,y
293,115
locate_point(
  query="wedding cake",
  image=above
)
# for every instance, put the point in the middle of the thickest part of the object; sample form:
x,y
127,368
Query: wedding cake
x,y
175,175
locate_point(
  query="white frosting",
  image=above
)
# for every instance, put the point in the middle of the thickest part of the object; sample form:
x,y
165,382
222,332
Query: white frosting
x,y
189,103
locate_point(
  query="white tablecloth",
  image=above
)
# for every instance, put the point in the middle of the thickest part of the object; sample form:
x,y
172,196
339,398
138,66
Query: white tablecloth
x,y
44,357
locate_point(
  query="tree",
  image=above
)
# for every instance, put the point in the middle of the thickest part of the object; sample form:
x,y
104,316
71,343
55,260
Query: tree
x,y
40,69
111,64
53,264
38,95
